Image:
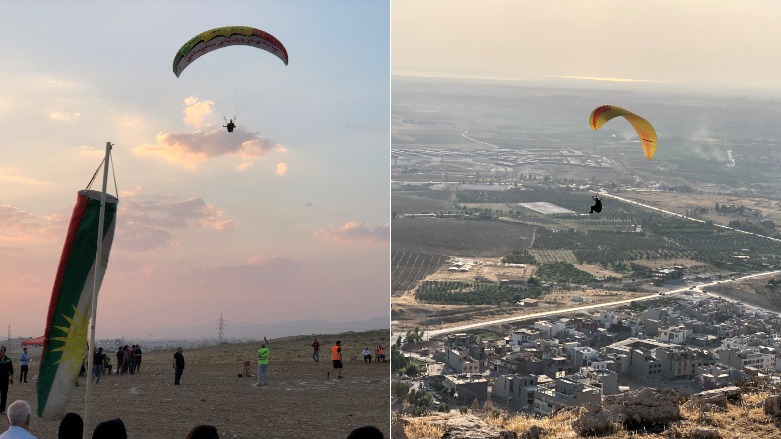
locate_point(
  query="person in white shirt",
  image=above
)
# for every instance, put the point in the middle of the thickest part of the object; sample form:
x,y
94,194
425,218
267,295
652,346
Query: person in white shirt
x,y
367,355
19,420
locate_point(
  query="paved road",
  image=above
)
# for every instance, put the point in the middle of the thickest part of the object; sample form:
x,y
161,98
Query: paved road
x,y
462,328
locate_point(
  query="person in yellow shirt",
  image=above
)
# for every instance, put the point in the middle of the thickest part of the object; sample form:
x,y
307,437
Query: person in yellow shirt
x,y
263,363
336,357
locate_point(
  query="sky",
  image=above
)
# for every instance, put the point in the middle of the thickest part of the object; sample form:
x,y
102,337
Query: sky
x,y
284,219
724,45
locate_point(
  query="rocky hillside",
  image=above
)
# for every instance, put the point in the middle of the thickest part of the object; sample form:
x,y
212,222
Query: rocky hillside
x,y
723,413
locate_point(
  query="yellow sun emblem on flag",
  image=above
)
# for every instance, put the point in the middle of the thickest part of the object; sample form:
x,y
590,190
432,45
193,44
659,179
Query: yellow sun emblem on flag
x,y
75,339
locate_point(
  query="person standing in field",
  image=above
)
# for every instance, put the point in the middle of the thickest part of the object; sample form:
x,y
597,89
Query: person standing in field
x,y
137,358
97,365
316,351
6,377
120,361
24,362
336,358
178,365
129,365
263,363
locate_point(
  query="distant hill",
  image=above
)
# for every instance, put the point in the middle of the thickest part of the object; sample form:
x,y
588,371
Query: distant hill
x,y
255,331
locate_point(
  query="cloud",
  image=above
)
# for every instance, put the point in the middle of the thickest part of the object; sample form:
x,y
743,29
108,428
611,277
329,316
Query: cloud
x,y
64,116
171,213
189,149
89,151
281,169
6,176
353,231
136,236
131,193
596,78
148,224
18,225
196,111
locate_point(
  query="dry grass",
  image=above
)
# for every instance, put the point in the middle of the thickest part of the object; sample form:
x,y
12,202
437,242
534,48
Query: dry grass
x,y
743,419
424,429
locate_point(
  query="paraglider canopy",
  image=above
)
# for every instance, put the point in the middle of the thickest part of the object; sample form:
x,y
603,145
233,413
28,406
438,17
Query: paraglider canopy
x,y
230,65
220,37
603,113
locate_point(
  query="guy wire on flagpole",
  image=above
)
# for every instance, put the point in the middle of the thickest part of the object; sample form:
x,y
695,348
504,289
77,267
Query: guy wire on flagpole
x,y
98,275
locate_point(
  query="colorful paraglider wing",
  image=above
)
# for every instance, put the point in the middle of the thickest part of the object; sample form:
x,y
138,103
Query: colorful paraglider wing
x,y
223,37
644,129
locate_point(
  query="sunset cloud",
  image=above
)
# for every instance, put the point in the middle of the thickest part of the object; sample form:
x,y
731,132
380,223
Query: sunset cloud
x,y
89,151
353,231
190,149
281,169
149,224
196,111
8,177
172,213
18,225
64,116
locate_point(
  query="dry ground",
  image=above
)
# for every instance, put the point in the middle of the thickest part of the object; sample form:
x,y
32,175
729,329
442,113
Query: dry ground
x,y
298,402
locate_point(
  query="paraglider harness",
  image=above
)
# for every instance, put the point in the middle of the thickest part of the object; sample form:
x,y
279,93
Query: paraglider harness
x,y
230,126
597,207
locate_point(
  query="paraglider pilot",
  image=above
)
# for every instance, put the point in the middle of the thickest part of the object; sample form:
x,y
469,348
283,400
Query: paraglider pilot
x,y
597,207
230,126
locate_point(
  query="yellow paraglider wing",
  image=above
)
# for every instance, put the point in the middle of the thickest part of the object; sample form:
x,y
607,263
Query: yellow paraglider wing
x,y
644,129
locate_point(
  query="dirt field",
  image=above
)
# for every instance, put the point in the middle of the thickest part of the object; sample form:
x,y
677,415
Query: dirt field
x,y
298,402
478,238
412,313
679,203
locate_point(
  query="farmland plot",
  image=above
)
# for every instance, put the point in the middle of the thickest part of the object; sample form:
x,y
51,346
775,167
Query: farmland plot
x,y
409,267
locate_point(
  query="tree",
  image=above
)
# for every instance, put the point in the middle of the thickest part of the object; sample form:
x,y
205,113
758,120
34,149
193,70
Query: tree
x,y
414,336
399,390
398,360
411,370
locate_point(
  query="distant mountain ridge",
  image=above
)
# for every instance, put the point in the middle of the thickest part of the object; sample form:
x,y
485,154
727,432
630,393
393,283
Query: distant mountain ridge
x,y
255,331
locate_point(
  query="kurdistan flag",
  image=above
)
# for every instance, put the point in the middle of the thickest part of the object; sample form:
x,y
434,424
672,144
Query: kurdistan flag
x,y
70,309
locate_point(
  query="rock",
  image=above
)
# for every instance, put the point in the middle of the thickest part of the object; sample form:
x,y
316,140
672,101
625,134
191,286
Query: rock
x,y
534,433
645,405
595,420
704,433
472,427
707,401
772,405
714,398
397,430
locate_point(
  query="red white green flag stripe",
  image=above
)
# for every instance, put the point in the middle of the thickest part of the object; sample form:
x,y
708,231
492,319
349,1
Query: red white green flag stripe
x,y
70,309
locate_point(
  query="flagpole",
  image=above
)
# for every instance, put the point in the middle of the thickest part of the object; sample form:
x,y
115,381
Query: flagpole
x,y
95,282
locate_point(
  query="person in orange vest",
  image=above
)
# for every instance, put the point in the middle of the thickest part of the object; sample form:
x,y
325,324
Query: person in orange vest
x,y
379,355
336,357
